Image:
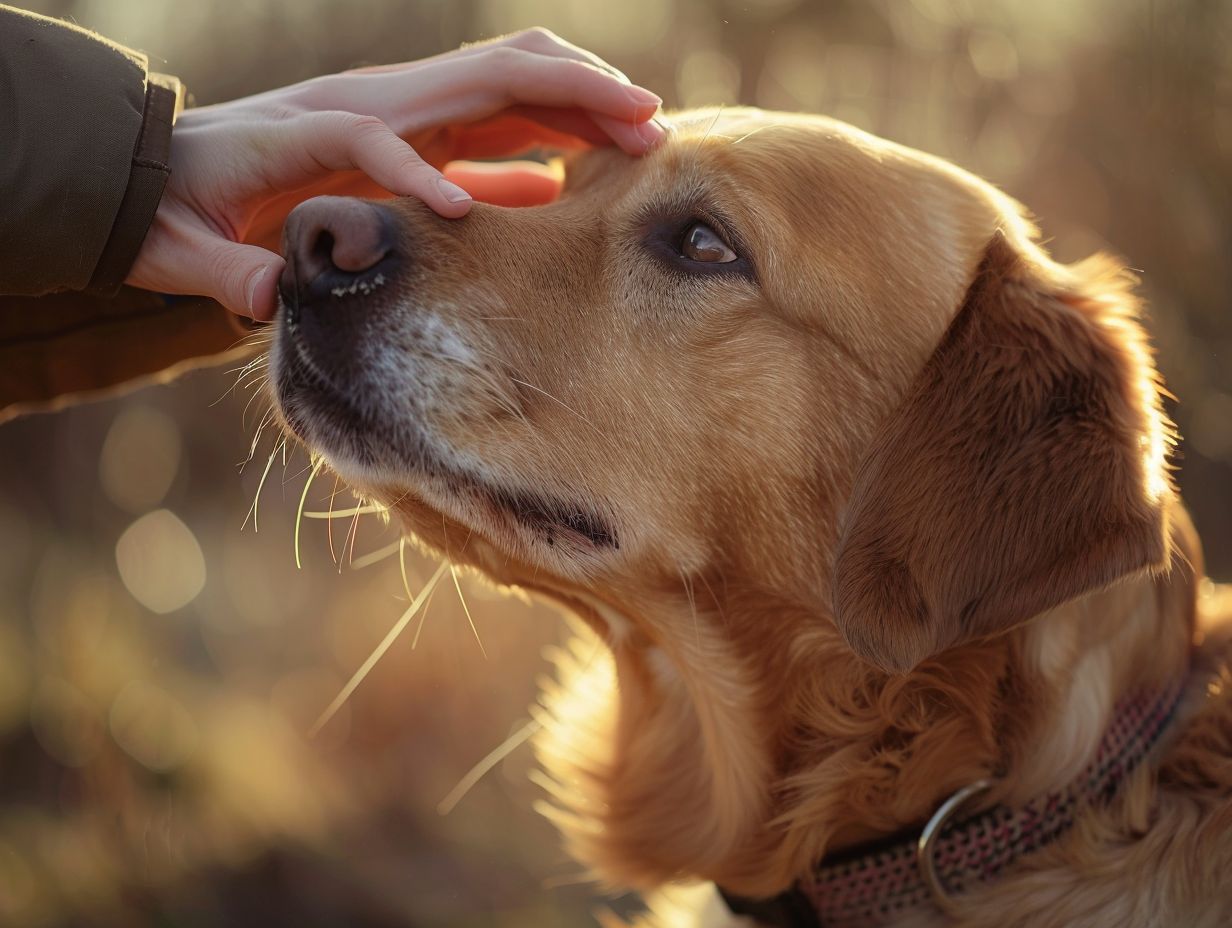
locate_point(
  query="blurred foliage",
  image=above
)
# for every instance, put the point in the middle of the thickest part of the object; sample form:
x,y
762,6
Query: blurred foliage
x,y
159,668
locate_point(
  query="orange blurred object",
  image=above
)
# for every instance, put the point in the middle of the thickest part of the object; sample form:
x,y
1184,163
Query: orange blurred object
x,y
508,183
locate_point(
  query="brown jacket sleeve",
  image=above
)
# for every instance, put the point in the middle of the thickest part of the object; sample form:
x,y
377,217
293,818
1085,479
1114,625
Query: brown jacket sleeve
x,y
85,140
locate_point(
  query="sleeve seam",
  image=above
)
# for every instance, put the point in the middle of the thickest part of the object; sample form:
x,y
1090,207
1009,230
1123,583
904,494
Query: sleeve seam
x,y
150,169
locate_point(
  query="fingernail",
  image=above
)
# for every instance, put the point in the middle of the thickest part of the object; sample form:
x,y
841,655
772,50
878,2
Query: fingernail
x,y
453,193
647,103
652,132
642,96
252,289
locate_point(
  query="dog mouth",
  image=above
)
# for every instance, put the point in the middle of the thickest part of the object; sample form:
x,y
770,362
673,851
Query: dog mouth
x,y
326,419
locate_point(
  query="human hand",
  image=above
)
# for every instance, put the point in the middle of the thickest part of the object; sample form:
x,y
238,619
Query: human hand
x,y
238,168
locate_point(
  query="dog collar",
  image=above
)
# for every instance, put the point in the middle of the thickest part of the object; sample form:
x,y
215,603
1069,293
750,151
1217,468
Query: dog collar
x,y
873,884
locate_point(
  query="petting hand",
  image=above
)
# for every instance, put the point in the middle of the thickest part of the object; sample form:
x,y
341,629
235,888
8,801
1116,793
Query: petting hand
x,y
238,168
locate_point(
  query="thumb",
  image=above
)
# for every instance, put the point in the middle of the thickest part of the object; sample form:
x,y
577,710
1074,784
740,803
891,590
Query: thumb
x,y
243,278
181,255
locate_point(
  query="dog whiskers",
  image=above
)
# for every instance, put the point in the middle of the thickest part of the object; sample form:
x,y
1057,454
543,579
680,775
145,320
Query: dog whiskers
x,y
329,524
354,530
752,132
424,616
316,469
548,783
378,652
531,386
257,391
374,557
486,379
465,608
406,583
252,511
705,135
256,439
253,366
363,510
490,760
562,403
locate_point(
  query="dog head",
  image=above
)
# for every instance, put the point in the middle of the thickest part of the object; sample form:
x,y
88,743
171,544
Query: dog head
x,y
778,382
777,345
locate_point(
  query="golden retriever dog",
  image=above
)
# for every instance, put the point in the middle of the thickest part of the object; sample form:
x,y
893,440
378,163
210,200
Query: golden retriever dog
x,y
864,500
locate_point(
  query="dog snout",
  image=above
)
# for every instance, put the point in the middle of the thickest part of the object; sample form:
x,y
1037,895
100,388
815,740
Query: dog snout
x,y
333,246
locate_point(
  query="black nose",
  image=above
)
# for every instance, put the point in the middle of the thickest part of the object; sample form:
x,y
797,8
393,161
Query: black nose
x,y
332,246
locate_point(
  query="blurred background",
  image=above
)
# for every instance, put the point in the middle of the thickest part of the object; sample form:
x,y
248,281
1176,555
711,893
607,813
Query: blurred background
x,y
160,667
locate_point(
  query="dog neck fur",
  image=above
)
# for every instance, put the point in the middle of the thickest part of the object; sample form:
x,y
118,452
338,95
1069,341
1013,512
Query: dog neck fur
x,y
691,758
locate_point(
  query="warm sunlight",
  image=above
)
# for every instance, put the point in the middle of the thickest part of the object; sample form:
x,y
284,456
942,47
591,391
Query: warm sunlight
x,y
233,693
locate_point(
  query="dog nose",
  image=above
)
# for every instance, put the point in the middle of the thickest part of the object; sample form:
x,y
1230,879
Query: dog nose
x,y
330,243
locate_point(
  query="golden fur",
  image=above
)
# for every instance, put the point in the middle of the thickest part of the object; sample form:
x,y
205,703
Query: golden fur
x,y
885,513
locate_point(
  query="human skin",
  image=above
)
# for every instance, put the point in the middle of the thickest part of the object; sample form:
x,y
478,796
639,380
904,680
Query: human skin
x,y
238,168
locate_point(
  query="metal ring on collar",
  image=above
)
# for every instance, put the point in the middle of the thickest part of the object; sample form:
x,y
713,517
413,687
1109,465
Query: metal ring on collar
x,y
928,840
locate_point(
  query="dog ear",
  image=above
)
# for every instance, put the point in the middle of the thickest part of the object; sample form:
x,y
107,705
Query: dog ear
x,y
1026,467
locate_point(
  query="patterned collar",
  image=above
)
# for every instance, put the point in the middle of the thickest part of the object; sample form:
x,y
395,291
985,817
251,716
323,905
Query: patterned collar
x,y
874,884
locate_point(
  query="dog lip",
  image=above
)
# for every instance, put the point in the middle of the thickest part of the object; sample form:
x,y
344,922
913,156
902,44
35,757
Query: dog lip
x,y
300,386
550,517
304,393
298,360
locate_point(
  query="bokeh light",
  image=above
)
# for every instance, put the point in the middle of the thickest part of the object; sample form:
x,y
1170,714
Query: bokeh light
x,y
160,562
140,458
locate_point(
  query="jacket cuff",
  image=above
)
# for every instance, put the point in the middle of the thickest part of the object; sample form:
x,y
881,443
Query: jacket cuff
x,y
151,166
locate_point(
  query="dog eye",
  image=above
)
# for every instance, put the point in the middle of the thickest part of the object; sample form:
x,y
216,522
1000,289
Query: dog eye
x,y
702,243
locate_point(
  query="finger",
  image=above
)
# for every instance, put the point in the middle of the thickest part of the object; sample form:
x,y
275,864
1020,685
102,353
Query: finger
x,y
242,278
510,75
528,70
543,41
462,90
537,39
522,128
265,227
182,255
633,138
518,183
340,141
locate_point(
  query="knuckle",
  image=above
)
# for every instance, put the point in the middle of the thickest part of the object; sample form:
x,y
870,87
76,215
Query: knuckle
x,y
229,279
311,96
536,39
285,111
418,173
405,156
363,124
313,89
506,56
312,124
